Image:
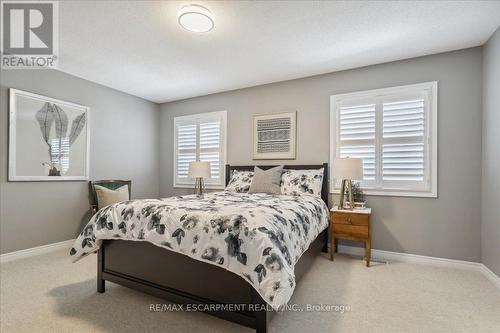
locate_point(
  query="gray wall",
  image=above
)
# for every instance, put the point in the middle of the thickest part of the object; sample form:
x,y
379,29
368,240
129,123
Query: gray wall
x,y
491,155
449,226
124,145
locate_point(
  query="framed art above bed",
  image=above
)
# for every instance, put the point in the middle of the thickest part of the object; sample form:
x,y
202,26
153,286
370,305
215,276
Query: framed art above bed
x,y
275,136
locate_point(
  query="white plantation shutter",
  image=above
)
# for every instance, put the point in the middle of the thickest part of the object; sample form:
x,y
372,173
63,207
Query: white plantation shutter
x,y
200,137
210,147
186,148
394,131
403,151
357,135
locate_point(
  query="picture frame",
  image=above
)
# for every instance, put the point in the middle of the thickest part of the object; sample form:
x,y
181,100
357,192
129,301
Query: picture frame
x,y
275,136
49,139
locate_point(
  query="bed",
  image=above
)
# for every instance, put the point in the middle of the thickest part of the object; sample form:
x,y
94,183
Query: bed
x,y
256,261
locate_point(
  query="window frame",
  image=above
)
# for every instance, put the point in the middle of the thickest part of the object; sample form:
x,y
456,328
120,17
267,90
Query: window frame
x,y
196,118
430,138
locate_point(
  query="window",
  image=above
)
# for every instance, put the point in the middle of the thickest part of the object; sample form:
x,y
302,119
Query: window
x,y
200,137
394,131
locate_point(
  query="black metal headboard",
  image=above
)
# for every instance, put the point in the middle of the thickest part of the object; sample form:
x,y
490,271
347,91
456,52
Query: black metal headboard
x,y
324,186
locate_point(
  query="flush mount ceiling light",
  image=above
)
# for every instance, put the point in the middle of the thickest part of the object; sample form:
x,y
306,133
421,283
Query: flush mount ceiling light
x,y
195,18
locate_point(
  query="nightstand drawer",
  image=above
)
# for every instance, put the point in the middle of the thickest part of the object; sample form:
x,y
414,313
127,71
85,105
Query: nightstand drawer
x,y
348,218
351,230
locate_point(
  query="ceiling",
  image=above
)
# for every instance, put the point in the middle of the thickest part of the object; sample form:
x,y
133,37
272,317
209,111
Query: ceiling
x,y
138,47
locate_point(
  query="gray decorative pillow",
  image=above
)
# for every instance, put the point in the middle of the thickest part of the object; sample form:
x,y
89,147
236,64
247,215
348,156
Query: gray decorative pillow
x,y
266,181
297,182
240,181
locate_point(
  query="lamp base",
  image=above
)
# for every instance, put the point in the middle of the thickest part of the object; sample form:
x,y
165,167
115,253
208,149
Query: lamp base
x,y
345,182
199,187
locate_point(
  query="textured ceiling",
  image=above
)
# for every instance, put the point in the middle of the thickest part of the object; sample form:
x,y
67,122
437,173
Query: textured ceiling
x,y
137,46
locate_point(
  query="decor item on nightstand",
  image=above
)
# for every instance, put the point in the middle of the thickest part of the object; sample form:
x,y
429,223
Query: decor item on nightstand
x,y
352,225
347,170
274,136
358,196
48,138
199,170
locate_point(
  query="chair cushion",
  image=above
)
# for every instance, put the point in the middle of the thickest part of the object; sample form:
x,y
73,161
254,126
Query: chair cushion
x,y
266,181
106,197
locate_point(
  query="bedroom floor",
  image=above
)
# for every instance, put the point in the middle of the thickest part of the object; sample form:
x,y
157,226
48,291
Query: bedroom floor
x,y
50,294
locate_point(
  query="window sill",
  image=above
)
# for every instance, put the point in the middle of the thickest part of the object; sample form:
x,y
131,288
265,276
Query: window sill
x,y
395,193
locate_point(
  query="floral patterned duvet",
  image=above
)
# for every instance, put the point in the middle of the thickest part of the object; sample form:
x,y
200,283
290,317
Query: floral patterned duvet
x,y
260,237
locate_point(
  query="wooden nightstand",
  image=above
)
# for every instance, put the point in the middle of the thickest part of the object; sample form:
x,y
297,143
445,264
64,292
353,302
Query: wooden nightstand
x,y
352,225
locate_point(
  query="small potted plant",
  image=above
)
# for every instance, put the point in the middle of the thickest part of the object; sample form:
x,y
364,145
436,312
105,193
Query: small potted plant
x,y
358,196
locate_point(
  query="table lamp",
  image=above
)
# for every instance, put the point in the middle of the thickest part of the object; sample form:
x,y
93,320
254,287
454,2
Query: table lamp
x,y
199,170
347,169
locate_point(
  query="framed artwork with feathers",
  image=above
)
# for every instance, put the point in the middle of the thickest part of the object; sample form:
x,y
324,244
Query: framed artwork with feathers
x,y
48,138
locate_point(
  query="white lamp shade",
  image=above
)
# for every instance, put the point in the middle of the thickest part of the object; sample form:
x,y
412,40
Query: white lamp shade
x,y
199,169
348,168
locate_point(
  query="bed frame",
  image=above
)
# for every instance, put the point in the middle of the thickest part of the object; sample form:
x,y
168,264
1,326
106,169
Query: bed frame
x,y
148,268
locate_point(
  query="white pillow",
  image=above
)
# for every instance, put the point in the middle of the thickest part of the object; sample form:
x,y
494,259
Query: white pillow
x,y
106,197
240,181
298,182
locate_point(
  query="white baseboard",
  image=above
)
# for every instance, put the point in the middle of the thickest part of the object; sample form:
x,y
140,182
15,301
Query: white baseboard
x,y
34,251
495,279
410,258
388,256
380,255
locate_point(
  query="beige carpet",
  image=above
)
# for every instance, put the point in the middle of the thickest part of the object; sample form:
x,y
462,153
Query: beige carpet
x,y
49,294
